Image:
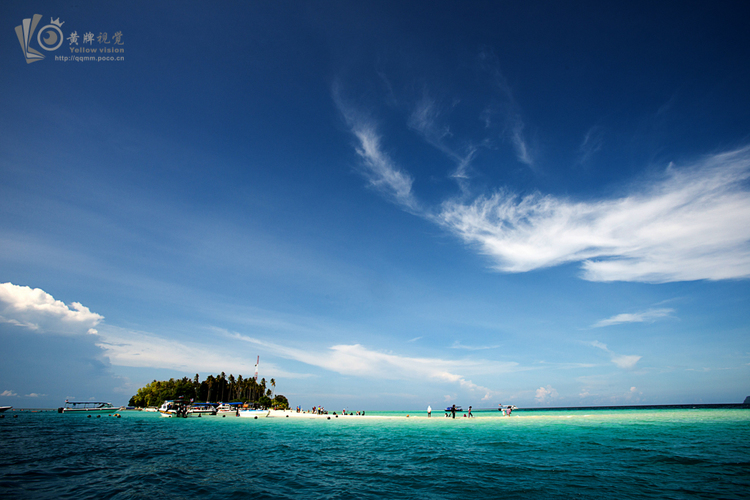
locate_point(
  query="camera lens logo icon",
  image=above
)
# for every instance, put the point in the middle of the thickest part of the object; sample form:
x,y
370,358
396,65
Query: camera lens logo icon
x,y
50,37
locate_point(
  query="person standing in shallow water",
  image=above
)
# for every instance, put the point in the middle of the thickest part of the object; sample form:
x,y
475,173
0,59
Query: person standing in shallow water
x,y
453,411
469,411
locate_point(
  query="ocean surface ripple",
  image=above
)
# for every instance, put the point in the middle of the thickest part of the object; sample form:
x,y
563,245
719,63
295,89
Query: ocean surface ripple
x,y
664,454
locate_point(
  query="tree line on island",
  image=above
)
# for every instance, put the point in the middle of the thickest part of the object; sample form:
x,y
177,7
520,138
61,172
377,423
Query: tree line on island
x,y
218,389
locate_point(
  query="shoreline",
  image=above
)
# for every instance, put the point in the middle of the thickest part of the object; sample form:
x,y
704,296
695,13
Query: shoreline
x,y
484,411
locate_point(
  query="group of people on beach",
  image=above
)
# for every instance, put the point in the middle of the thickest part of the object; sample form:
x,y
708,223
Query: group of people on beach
x,y
319,410
344,412
451,412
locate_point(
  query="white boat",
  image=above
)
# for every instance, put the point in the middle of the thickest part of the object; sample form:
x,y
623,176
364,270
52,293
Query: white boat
x,y
202,409
176,408
87,407
5,408
254,413
228,409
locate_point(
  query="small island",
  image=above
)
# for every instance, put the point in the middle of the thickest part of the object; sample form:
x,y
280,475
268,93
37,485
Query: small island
x,y
219,389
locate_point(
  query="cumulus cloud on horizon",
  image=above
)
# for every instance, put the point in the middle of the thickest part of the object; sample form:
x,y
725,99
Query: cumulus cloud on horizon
x,y
545,394
37,310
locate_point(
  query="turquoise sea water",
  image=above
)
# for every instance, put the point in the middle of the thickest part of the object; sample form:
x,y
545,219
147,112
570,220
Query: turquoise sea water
x,y
702,453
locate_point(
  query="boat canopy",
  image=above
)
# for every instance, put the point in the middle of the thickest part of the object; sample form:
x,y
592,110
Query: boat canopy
x,y
87,403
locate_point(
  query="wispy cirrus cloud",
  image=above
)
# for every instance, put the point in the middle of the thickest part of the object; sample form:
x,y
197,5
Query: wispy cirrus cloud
x,y
425,119
125,347
378,167
640,317
689,225
357,360
592,142
459,345
507,109
626,361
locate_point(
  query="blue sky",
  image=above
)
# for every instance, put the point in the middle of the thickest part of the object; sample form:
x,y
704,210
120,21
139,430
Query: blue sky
x,y
392,205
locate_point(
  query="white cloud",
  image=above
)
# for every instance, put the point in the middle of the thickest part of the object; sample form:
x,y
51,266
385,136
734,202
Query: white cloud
x,y
545,394
625,361
592,142
425,119
357,360
22,324
35,309
146,350
621,360
690,225
8,393
380,170
519,144
35,395
507,108
640,317
459,345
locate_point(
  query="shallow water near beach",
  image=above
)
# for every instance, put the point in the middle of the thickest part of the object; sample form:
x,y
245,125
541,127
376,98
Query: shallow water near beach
x,y
701,453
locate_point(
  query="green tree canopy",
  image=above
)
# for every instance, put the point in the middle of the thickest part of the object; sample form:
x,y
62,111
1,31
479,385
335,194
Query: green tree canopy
x,y
212,389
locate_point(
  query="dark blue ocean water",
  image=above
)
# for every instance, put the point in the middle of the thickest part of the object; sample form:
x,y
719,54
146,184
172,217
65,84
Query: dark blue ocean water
x,y
703,453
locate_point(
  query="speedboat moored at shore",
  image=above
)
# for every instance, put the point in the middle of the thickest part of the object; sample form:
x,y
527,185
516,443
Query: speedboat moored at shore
x,y
203,409
176,408
87,407
231,409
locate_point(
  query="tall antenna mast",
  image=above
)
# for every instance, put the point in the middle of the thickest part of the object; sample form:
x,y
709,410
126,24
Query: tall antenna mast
x,y
256,368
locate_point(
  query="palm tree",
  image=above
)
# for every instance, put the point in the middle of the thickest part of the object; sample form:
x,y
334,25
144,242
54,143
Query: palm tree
x,y
210,382
231,386
239,387
273,384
